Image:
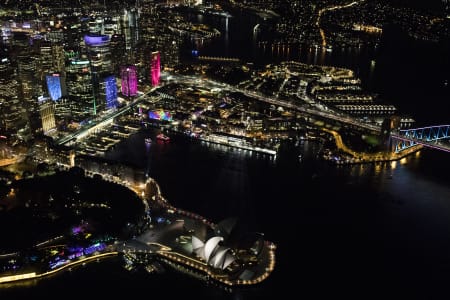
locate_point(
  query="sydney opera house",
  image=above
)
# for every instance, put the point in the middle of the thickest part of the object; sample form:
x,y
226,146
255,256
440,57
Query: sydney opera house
x,y
216,256
219,253
157,236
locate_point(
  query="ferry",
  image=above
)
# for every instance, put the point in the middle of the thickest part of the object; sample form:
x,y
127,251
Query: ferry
x,y
163,137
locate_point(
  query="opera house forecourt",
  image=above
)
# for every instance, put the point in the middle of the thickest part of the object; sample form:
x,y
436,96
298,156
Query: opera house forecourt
x,y
69,218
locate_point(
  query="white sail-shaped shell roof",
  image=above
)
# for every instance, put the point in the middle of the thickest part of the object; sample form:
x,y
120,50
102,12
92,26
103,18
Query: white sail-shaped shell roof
x,y
218,259
228,260
197,243
211,245
213,254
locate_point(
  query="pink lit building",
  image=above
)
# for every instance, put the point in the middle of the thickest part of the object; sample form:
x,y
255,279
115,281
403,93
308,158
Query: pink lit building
x,y
129,80
155,68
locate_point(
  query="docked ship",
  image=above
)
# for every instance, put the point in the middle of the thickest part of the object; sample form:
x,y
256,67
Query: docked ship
x,y
163,137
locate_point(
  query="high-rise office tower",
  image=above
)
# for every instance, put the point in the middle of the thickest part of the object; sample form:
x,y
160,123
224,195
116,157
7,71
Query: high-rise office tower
x,y
80,89
155,68
129,26
128,75
108,91
111,25
47,113
99,55
54,86
45,59
12,112
30,88
51,58
51,68
118,54
58,61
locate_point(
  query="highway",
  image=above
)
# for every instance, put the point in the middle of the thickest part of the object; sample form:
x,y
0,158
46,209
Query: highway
x,y
103,120
310,110
330,115
198,81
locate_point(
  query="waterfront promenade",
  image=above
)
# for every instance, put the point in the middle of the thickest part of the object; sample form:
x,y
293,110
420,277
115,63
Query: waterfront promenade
x,y
365,157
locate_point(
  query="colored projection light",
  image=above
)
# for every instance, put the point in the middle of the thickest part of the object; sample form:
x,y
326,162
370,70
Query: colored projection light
x,y
111,92
94,40
155,68
129,80
54,86
160,115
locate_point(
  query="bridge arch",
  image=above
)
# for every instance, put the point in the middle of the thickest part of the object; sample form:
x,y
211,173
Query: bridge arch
x,y
427,136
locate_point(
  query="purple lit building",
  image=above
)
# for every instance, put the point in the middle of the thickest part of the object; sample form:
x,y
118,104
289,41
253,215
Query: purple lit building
x,y
128,75
109,89
155,68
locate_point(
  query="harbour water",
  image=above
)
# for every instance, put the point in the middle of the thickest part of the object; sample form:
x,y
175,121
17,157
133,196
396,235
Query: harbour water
x,y
361,231
369,229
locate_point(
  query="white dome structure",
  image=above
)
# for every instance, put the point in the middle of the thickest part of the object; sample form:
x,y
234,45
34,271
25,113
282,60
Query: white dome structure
x,y
216,256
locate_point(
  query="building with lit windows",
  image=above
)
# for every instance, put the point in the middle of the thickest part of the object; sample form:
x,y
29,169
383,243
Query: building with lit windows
x,y
108,91
12,112
99,56
128,74
118,54
47,113
80,89
30,88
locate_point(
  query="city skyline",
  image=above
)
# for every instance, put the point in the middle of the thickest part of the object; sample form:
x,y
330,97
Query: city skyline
x,y
251,139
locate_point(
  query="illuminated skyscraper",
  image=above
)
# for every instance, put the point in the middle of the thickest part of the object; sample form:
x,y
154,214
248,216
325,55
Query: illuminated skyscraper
x,y
99,55
12,112
155,68
80,89
47,113
54,86
51,58
128,75
108,91
30,89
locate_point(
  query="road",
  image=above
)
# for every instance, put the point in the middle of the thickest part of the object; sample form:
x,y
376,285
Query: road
x,y
199,81
323,113
319,16
103,120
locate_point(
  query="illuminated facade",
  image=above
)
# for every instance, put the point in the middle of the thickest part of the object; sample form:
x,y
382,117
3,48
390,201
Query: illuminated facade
x,y
160,115
109,92
54,86
128,75
99,55
47,112
155,68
